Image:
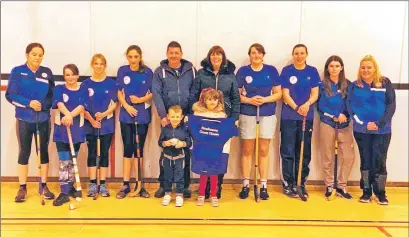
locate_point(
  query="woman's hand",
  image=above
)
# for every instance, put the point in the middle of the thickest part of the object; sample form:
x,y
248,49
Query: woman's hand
x,y
36,105
131,110
371,126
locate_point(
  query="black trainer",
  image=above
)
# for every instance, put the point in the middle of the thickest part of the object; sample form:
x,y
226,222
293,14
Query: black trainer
x,y
123,192
244,192
143,193
381,199
365,198
74,193
289,191
342,192
264,194
61,199
328,192
160,193
187,193
21,195
304,191
47,193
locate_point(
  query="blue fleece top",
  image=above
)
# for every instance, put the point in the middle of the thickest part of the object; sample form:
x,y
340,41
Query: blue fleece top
x,y
367,103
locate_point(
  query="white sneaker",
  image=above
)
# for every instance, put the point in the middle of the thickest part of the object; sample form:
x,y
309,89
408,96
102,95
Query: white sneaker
x,y
179,201
166,200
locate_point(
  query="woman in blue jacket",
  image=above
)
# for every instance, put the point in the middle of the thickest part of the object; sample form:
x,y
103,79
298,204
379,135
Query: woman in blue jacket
x,y
371,105
217,73
334,115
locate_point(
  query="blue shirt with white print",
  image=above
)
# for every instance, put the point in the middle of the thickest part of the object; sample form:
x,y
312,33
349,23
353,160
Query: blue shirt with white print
x,y
253,83
24,86
137,83
300,83
100,95
71,99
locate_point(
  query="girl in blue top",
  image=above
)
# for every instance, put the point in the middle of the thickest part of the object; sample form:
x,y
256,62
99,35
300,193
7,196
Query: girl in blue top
x,y
69,100
260,88
100,120
371,105
334,115
30,89
300,91
134,82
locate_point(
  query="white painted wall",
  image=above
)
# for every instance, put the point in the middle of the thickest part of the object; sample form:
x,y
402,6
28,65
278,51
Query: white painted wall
x,y
72,32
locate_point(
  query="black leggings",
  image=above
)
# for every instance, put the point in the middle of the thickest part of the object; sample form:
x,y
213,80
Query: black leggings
x,y
128,138
25,132
105,143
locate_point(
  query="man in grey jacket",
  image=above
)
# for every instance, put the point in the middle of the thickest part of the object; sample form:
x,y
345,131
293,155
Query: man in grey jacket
x,y
171,84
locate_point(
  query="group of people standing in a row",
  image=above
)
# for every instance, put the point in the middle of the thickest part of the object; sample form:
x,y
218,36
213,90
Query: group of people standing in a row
x,y
183,98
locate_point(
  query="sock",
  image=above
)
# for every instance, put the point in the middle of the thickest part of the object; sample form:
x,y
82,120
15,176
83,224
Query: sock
x,y
24,186
213,185
126,183
43,184
263,183
246,182
102,181
202,185
93,181
65,188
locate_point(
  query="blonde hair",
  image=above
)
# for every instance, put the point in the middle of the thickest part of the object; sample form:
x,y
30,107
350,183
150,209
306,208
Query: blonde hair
x,y
99,56
176,109
378,76
206,94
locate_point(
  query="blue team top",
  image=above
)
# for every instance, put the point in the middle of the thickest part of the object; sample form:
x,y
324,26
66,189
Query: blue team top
x,y
137,83
25,86
332,106
71,100
300,83
211,143
259,83
100,96
370,104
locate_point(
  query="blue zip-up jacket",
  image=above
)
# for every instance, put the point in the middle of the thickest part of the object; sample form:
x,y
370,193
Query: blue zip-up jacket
x,y
170,89
370,104
225,81
332,106
25,86
181,133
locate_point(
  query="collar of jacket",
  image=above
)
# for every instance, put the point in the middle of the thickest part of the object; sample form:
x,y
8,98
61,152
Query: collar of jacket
x,y
185,64
224,69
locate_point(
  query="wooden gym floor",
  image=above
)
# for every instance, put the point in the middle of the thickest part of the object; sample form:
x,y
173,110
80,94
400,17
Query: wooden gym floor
x,y
279,216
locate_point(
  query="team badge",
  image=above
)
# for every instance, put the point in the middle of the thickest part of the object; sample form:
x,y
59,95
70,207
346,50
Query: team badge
x,y
293,79
90,92
127,80
44,75
249,79
65,98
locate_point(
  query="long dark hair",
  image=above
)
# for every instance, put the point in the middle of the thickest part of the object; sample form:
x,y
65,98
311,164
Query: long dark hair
x,y
139,51
342,81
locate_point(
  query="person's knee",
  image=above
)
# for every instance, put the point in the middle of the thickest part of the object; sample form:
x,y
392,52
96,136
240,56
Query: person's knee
x,y
23,159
